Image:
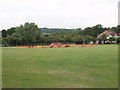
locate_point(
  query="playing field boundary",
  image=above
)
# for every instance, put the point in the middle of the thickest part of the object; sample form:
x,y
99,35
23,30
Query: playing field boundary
x,y
62,46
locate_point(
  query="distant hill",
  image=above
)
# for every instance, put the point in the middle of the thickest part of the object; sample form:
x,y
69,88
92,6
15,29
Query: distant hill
x,y
53,30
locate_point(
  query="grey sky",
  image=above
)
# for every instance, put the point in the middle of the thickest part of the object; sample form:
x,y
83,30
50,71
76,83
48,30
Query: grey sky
x,y
59,13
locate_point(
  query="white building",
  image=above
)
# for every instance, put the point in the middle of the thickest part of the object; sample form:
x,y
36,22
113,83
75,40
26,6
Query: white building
x,y
109,34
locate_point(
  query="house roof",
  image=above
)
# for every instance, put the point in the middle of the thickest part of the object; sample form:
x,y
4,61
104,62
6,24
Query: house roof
x,y
108,33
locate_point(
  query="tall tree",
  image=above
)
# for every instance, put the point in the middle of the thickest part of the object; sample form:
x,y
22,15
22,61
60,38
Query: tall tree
x,y
4,33
27,33
11,30
0,39
103,38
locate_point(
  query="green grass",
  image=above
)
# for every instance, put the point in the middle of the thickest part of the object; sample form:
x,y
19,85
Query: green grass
x,y
83,67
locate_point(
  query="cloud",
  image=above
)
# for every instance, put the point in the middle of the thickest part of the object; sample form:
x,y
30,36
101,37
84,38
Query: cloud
x,y
58,13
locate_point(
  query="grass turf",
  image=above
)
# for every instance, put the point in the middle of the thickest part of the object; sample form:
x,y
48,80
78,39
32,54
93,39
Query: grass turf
x,y
83,67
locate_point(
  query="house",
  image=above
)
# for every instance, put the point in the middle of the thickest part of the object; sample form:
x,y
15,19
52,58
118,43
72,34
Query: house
x,y
109,34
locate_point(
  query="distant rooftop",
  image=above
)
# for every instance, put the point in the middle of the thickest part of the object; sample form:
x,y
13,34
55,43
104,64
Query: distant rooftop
x,y
108,33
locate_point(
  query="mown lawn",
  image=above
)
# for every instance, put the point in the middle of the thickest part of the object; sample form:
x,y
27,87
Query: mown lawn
x,y
83,67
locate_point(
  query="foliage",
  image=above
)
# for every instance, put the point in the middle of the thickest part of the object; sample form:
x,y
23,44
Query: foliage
x,y
112,39
78,39
4,33
54,30
118,40
29,33
0,40
103,37
24,34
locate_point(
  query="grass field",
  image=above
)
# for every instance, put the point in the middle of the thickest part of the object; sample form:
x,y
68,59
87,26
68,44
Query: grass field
x,y
83,67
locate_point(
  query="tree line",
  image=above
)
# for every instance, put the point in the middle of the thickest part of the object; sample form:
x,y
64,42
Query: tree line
x,y
54,30
31,34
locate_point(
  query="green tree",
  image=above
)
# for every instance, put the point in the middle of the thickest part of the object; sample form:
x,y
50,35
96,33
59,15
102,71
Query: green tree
x,y
111,39
4,33
0,39
4,42
93,31
118,40
89,39
27,33
78,39
11,30
67,39
103,38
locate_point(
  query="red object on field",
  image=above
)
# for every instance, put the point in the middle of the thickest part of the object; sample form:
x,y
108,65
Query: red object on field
x,y
67,45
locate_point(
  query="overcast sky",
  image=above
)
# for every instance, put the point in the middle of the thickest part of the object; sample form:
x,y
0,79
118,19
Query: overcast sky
x,y
59,13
